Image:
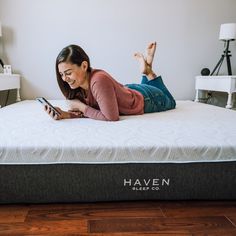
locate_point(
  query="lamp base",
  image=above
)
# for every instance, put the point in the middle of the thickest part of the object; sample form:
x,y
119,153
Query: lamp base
x,y
226,55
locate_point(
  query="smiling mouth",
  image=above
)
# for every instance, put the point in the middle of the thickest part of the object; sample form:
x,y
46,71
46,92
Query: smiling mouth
x,y
71,83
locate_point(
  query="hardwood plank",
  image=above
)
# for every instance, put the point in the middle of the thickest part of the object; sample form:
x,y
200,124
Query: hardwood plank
x,y
32,228
13,213
197,203
158,225
56,215
162,233
94,211
215,232
97,205
199,209
171,233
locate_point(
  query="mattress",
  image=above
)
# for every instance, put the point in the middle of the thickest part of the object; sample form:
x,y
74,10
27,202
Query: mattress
x,y
182,154
192,132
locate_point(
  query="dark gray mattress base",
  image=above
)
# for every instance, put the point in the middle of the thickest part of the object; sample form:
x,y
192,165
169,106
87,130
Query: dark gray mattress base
x,y
47,183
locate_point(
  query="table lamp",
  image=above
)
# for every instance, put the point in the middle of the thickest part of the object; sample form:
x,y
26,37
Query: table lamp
x,y
227,34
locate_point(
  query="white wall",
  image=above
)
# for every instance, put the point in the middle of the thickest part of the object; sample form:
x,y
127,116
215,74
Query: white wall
x,y
110,31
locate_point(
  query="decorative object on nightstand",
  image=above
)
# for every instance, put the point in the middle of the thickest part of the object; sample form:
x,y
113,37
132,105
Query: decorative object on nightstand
x,y
205,71
227,34
7,70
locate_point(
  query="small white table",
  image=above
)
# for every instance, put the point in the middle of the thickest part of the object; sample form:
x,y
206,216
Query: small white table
x,y
216,83
10,82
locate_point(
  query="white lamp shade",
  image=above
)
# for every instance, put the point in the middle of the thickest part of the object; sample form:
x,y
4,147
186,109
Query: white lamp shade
x,y
0,29
228,31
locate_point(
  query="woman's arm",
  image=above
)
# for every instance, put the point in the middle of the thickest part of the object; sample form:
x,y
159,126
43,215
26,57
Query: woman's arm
x,y
104,93
63,114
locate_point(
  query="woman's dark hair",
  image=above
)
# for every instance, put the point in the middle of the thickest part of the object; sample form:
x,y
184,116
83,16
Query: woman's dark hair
x,y
73,54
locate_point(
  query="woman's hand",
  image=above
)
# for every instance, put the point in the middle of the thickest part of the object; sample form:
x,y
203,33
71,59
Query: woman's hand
x,y
63,114
77,105
76,113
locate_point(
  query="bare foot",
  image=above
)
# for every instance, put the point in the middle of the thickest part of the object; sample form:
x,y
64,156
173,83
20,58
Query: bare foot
x,y
150,52
142,63
144,67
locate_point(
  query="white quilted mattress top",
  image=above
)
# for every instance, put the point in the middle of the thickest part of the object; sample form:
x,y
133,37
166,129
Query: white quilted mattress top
x,y
193,132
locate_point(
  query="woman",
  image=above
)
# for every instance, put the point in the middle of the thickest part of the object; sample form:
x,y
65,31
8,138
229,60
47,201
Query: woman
x,y
95,94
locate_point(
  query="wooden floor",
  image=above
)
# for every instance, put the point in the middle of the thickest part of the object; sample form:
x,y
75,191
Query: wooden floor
x,y
121,218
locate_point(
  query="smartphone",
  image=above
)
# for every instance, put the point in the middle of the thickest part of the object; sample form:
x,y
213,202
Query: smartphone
x,y
44,102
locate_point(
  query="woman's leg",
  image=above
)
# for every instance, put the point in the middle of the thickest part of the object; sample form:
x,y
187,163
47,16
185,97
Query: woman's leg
x,y
149,76
145,65
150,53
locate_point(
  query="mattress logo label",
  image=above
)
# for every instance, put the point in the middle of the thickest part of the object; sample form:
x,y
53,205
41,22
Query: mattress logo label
x,y
146,184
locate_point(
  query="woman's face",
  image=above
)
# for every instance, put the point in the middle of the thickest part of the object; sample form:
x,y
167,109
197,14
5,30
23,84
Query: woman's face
x,y
74,75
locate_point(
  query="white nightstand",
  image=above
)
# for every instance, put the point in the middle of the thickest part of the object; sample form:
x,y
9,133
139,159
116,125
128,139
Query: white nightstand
x,y
10,82
216,83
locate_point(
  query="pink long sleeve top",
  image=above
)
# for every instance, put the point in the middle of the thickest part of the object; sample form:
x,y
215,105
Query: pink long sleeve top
x,y
107,99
